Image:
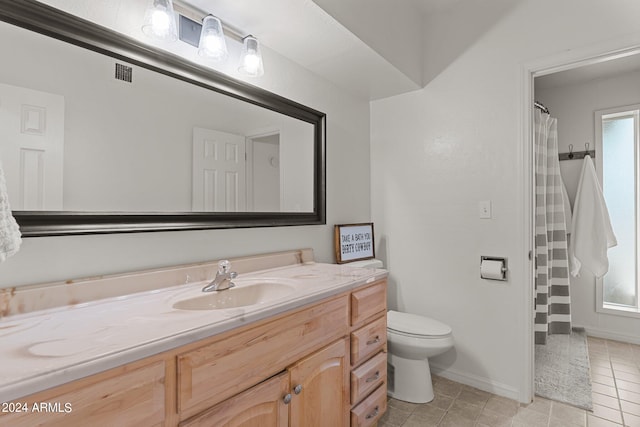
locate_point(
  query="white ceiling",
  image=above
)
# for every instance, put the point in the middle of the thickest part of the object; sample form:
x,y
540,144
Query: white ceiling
x,y
372,48
303,32
433,6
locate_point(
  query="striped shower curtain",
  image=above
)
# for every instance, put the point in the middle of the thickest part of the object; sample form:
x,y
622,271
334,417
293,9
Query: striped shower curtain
x,y
553,314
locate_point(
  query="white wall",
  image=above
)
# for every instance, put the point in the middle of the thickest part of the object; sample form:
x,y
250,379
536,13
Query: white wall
x,y
60,258
437,152
295,173
574,106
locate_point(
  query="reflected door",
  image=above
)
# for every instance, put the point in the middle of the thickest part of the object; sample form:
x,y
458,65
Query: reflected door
x,y
32,147
218,171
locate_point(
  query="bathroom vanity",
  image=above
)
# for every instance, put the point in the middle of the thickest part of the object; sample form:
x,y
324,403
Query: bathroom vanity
x,y
311,351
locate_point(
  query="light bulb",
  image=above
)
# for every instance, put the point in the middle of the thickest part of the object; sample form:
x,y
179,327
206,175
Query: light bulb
x,y
251,58
159,21
212,44
251,63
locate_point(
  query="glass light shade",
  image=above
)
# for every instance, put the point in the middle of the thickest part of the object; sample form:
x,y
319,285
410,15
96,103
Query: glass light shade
x,y
212,43
251,58
159,21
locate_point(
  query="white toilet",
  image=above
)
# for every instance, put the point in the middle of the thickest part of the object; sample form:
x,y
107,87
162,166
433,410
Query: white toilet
x,y
412,340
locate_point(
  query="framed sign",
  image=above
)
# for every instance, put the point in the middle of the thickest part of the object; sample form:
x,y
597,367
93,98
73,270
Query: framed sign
x,y
353,242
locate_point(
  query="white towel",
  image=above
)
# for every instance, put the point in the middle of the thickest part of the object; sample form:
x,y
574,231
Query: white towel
x,y
10,239
567,208
591,231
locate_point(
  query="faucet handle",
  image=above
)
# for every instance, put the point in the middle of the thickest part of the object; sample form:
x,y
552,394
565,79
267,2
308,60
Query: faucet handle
x,y
224,266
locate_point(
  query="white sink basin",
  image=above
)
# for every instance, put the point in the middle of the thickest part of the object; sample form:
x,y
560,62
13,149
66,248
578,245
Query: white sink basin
x,y
239,296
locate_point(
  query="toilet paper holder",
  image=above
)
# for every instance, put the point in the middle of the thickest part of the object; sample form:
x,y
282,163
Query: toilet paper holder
x,y
503,268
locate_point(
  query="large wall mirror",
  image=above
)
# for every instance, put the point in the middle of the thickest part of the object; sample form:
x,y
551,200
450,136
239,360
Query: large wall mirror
x,y
100,133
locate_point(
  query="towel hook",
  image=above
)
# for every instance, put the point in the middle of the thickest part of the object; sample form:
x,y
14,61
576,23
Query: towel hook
x,y
586,147
570,156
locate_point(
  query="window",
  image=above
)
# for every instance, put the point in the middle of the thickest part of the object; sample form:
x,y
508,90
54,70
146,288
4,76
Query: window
x,y
618,163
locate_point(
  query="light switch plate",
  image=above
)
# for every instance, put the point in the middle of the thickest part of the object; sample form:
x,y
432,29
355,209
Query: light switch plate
x,y
484,209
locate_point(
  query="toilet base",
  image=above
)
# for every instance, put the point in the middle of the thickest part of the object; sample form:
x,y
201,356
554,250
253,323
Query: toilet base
x,y
409,379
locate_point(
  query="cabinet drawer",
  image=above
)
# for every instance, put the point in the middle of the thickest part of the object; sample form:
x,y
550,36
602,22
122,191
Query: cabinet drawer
x,y
134,398
367,302
368,340
371,409
239,360
368,376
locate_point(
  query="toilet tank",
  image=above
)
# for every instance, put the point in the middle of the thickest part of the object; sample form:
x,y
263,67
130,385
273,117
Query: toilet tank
x,y
366,263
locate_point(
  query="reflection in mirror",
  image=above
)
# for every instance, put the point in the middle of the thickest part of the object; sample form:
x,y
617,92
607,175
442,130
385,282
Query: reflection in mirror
x,y
111,136
101,133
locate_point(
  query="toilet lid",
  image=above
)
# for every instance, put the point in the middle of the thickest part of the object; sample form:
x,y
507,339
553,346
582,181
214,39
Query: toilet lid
x,y
413,324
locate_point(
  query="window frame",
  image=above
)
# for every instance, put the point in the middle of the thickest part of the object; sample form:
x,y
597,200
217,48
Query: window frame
x,y
599,115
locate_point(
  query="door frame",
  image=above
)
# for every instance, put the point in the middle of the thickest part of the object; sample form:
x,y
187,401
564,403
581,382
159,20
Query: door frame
x,y
566,60
249,161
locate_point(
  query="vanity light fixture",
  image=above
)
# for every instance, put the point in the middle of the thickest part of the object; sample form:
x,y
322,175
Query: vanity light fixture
x,y
251,58
212,43
159,21
209,37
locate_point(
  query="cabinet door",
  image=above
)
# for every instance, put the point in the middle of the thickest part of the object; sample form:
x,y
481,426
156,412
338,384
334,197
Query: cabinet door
x,y
260,406
320,388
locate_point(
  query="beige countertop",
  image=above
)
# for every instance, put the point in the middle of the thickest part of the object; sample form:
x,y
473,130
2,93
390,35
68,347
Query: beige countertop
x,y
46,348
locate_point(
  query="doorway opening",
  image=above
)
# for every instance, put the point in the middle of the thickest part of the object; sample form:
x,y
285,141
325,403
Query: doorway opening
x,y
264,183
541,80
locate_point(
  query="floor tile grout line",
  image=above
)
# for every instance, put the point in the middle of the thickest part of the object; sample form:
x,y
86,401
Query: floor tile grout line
x,y
615,382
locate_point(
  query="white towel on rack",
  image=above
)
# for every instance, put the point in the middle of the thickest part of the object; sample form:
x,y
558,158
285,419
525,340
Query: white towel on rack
x,y
591,231
567,208
10,238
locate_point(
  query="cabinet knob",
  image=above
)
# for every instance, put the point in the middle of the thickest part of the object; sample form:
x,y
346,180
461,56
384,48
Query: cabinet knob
x,y
375,340
373,377
298,389
287,399
373,413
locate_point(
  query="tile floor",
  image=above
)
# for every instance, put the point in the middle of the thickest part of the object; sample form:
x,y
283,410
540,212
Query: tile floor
x,y
615,376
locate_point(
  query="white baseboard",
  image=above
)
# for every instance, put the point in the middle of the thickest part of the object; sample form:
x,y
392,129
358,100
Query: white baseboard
x,y
481,383
611,335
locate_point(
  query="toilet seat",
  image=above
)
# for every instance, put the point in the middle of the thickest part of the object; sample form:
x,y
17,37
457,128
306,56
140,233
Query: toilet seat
x,y
416,326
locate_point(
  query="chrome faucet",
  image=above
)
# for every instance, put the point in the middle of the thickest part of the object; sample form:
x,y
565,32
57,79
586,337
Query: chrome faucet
x,y
223,278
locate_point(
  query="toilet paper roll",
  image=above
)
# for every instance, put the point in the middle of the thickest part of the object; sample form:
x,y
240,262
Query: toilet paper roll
x,y
491,269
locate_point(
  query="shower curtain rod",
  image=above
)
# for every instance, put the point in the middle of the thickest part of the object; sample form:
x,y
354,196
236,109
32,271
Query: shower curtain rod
x,y
541,107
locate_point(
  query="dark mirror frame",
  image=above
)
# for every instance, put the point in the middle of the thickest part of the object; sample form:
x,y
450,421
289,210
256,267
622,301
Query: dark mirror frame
x,y
43,19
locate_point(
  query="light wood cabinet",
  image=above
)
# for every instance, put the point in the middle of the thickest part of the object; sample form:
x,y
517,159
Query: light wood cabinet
x,y
122,397
371,409
368,376
312,392
260,406
329,357
368,302
368,340
236,361
320,388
